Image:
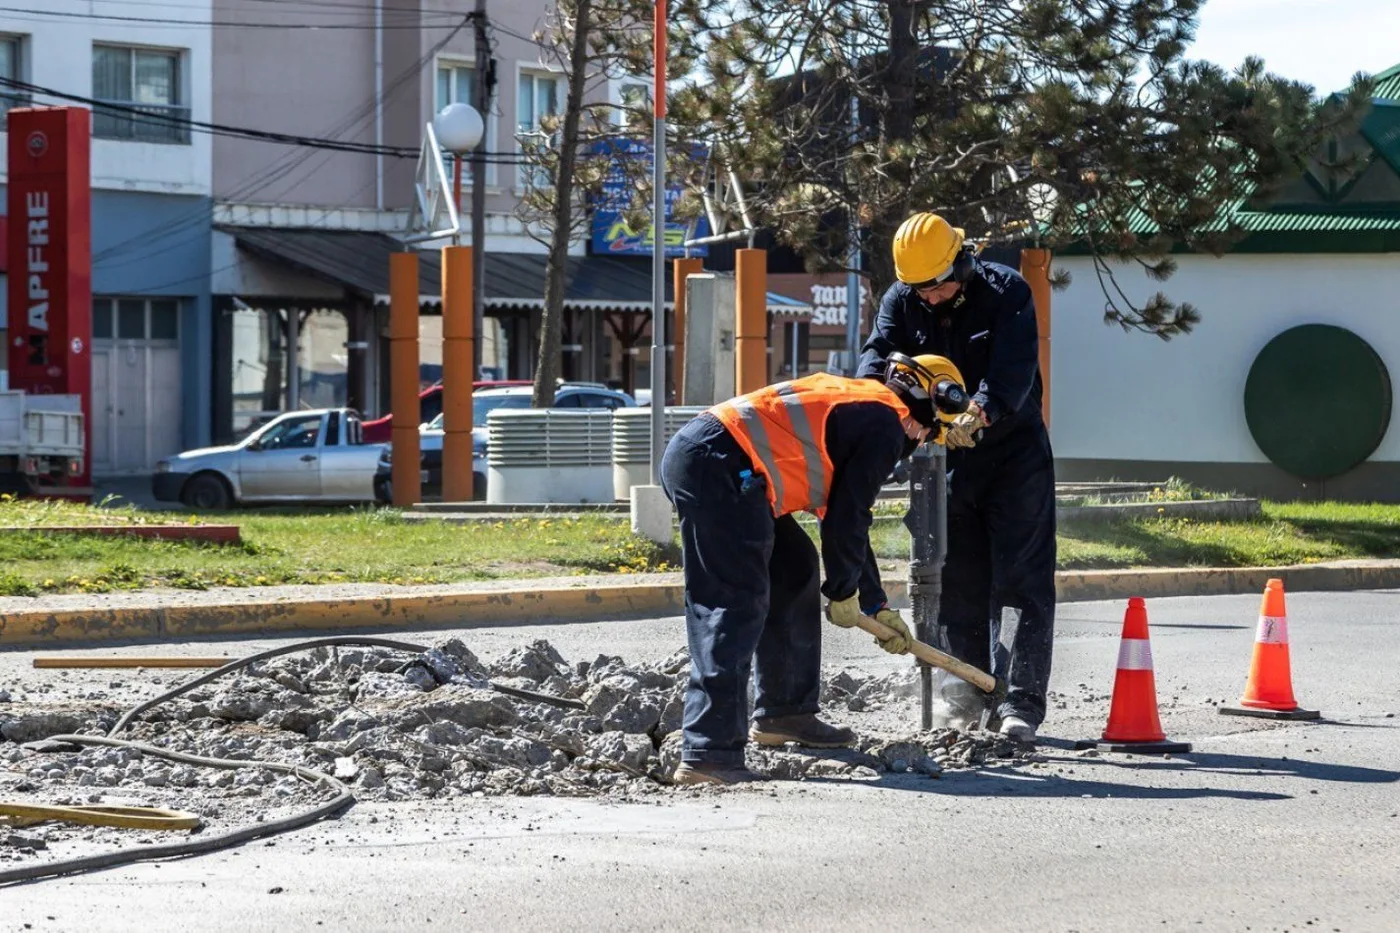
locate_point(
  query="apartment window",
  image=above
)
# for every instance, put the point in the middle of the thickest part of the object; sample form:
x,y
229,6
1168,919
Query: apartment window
x,y
456,84
537,96
11,69
146,84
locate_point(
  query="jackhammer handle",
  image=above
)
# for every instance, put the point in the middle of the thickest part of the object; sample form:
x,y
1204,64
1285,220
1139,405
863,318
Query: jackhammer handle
x,y
931,655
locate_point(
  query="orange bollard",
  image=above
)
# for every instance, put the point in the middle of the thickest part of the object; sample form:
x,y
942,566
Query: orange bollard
x,y
406,474
1035,269
1268,694
457,373
681,269
1133,724
750,320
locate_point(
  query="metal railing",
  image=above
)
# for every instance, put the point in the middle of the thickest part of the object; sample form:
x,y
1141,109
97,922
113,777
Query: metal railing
x,y
147,123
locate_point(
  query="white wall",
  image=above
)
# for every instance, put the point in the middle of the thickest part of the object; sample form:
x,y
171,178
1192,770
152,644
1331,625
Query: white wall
x,y
58,55
1132,396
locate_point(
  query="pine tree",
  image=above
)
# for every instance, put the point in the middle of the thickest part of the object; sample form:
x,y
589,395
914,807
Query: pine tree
x,y
1039,122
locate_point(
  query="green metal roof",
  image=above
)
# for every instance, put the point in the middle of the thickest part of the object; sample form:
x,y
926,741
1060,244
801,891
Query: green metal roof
x,y
1337,227
1388,85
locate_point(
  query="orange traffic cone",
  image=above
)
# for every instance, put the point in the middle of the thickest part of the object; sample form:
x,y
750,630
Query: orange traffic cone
x,y
1268,694
1133,725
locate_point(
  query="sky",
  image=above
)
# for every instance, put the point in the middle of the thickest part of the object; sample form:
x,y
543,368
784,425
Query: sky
x,y
1320,42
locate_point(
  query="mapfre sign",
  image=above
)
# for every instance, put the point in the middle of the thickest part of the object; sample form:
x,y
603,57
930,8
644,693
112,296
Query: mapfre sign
x,y
49,205
50,242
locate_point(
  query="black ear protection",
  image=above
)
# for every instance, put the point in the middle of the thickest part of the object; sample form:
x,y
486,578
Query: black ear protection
x,y
964,266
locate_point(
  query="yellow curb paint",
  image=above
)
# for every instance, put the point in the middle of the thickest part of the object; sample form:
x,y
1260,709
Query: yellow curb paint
x,y
77,626
466,610
598,604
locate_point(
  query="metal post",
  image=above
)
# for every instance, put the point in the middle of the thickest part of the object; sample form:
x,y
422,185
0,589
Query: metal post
x,y
484,77
293,359
457,195
796,344
658,246
853,250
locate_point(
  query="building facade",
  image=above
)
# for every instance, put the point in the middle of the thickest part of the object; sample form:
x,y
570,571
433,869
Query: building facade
x,y
151,200
302,235
1323,254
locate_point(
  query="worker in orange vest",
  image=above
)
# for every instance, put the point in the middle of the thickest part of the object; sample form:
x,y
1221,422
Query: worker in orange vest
x,y
737,474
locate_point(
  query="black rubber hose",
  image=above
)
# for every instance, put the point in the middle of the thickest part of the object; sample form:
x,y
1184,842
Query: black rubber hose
x,y
343,799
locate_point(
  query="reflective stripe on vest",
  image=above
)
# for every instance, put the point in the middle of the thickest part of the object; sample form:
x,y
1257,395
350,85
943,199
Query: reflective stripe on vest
x,y
781,427
762,448
801,429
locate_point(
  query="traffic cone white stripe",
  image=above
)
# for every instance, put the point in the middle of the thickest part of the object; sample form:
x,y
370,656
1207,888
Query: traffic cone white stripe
x,y
1135,654
1273,630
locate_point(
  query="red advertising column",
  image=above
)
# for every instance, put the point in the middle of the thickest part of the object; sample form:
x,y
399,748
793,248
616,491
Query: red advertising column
x,y
50,258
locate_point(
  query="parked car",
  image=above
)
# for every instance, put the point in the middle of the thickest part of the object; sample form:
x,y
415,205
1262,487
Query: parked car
x,y
380,430
300,456
568,395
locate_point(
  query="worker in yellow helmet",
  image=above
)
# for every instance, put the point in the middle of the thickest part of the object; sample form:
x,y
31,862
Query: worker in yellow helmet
x,y
998,604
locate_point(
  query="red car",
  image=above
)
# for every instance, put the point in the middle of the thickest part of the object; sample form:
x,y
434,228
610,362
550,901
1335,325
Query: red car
x,y
380,430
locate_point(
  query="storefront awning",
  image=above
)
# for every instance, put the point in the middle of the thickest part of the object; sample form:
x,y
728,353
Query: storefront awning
x,y
359,261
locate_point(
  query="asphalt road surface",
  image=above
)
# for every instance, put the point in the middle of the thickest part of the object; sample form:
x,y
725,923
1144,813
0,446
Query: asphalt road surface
x,y
1262,826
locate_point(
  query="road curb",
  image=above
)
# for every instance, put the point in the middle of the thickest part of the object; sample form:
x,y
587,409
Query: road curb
x,y
479,609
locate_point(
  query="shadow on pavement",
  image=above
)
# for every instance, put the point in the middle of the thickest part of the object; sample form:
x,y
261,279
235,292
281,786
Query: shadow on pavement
x,y
1014,782
1244,765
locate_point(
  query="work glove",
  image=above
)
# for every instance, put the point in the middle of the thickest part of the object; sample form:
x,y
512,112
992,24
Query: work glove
x,y
963,431
844,612
899,642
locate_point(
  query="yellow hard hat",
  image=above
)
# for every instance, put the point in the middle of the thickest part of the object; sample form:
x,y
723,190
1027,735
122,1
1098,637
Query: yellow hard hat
x,y
925,248
922,374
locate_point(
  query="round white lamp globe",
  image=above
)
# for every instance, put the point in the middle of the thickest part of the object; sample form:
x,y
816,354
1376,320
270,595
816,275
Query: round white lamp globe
x,y
458,127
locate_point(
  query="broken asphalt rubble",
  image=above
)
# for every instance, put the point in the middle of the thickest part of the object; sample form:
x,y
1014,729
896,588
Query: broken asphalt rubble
x,y
395,726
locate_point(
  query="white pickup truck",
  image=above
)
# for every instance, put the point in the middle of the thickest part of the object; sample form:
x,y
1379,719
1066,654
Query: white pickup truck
x,y
297,457
41,442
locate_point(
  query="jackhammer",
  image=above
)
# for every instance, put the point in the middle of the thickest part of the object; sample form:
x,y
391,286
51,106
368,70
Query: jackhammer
x,y
927,521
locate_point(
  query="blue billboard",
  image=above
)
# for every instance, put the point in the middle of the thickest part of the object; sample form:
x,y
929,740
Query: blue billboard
x,y
611,234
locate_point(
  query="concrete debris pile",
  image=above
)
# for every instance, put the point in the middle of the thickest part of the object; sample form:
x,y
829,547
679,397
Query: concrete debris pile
x,y
443,723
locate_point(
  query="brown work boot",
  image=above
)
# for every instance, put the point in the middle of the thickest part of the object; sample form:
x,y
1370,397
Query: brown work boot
x,y
803,729
706,772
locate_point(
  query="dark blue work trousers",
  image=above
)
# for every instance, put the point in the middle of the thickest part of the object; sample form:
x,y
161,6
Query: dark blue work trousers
x,y
998,605
752,595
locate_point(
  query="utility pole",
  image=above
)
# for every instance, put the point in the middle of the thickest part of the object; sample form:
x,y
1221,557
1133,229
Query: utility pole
x,y
483,92
658,244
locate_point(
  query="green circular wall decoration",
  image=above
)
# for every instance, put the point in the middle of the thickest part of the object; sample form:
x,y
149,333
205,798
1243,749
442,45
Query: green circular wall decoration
x,y
1317,400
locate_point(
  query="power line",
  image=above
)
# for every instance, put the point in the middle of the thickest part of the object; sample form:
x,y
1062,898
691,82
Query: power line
x,y
325,215
28,16
143,244
235,132
148,240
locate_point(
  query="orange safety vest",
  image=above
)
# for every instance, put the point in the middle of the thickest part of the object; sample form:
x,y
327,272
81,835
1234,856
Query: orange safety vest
x,y
782,428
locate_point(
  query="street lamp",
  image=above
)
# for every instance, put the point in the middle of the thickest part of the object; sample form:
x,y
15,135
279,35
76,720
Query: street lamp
x,y
459,129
